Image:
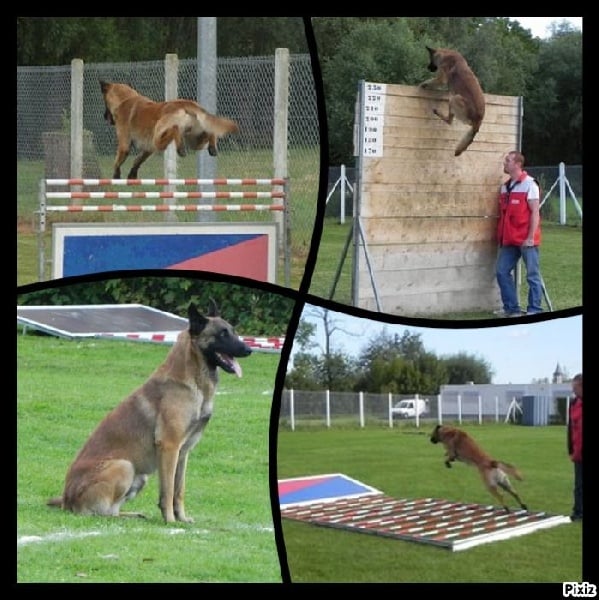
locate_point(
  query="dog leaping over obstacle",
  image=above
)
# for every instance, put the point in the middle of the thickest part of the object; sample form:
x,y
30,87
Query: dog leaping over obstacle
x,y
459,445
466,98
152,126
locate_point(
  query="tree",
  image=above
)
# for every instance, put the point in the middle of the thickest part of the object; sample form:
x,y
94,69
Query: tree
x,y
332,369
57,40
251,311
462,368
388,363
384,346
373,50
553,105
336,371
304,375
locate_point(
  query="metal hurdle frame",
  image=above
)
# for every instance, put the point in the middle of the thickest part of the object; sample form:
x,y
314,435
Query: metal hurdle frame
x,y
279,194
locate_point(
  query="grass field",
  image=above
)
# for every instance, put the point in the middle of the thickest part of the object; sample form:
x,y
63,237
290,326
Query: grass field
x,y
561,267
402,463
64,388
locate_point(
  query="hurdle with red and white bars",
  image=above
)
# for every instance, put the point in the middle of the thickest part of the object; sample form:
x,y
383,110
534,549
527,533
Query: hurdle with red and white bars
x,y
278,194
274,194
266,344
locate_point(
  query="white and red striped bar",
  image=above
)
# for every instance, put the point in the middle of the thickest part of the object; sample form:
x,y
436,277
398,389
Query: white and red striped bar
x,y
165,207
165,182
125,195
257,343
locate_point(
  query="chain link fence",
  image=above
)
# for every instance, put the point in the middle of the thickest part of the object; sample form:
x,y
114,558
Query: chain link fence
x,y
359,409
548,178
245,93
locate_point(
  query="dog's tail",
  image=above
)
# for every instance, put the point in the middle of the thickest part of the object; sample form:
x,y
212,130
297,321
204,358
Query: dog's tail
x,y
467,139
57,501
218,126
509,469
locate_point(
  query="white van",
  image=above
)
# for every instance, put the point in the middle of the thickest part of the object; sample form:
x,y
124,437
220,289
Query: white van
x,y
409,408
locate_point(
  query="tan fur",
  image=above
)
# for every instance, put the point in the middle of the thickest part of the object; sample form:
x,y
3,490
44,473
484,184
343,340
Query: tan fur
x,y
152,126
466,98
154,428
459,445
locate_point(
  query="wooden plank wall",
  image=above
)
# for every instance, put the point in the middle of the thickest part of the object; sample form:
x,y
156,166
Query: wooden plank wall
x,y
428,216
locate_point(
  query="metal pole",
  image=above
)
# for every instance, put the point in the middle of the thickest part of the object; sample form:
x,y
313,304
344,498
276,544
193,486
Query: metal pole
x,y
206,95
342,190
358,137
171,92
280,167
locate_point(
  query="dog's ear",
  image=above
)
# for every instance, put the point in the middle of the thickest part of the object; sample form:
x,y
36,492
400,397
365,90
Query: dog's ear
x,y
197,322
431,51
213,309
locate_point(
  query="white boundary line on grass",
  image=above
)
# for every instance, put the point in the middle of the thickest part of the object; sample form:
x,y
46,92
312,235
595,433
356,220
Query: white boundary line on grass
x,y
60,536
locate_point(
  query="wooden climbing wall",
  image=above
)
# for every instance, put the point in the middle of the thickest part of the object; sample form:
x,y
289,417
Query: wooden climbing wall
x,y
427,218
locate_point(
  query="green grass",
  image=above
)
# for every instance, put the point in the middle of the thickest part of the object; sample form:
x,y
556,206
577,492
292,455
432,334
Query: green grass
x,y
303,191
64,388
561,267
402,463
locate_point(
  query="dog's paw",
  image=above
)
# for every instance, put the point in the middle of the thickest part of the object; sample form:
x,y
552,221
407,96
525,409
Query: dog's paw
x,y
181,151
212,150
448,464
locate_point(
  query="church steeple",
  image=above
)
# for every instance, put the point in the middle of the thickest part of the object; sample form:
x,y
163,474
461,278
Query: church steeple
x,y
558,374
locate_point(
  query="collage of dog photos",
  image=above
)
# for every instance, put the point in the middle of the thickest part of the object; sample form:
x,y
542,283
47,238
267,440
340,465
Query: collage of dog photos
x,y
283,282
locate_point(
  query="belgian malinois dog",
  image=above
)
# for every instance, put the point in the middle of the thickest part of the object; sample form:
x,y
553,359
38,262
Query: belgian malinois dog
x,y
466,98
156,426
151,126
461,446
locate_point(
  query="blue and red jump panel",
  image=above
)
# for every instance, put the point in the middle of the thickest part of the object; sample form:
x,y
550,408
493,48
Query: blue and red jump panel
x,y
229,248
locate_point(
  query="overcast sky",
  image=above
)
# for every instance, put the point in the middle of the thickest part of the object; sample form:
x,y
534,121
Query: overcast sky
x,y
516,353
538,26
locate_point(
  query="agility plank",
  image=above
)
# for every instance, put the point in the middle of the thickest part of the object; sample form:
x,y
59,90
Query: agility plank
x,y
132,322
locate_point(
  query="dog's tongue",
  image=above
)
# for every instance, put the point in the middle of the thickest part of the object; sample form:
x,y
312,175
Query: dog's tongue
x,y
236,367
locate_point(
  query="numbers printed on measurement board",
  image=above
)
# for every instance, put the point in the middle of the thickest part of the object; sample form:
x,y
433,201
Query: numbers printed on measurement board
x,y
373,118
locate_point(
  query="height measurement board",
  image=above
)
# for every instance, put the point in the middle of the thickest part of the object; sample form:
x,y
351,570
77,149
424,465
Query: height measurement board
x,y
373,95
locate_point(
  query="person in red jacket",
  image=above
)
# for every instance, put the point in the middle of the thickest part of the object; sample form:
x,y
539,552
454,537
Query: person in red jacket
x,y
518,236
575,444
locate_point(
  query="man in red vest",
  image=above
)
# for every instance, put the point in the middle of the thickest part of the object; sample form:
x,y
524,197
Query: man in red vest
x,y
518,236
575,444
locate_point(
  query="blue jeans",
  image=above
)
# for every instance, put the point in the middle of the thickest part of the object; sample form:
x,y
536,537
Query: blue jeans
x,y
505,270
577,508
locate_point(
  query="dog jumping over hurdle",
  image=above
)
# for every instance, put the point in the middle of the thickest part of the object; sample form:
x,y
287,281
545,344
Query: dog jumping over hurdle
x,y
461,446
156,426
466,98
152,126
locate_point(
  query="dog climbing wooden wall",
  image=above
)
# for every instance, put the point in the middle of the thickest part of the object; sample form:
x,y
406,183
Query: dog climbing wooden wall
x,y
425,225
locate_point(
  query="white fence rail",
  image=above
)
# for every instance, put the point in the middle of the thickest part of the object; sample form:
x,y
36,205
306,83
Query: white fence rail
x,y
328,409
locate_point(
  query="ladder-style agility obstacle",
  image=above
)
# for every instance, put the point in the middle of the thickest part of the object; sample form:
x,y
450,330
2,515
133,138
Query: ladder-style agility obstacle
x,y
335,500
